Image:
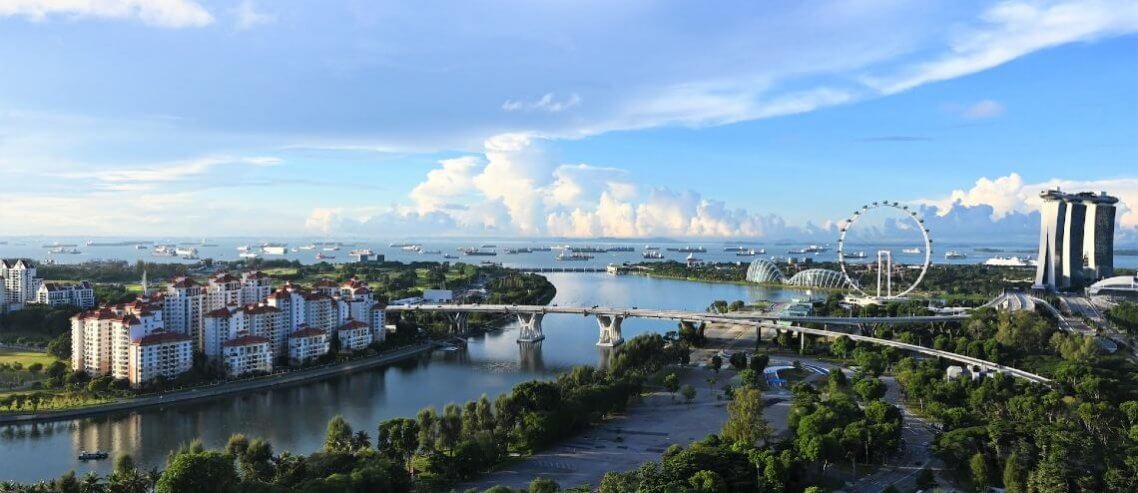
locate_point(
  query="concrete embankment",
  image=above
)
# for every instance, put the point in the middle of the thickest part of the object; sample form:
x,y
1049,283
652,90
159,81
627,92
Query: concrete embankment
x,y
219,390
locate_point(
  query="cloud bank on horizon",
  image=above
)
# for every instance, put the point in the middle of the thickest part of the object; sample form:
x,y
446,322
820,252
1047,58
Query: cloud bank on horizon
x,y
405,118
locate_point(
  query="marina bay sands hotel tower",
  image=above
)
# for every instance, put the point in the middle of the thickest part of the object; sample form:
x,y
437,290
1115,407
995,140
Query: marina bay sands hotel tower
x,y
1076,239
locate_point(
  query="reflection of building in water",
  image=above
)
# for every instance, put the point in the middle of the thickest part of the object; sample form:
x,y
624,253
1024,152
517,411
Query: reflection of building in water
x,y
604,357
529,356
120,434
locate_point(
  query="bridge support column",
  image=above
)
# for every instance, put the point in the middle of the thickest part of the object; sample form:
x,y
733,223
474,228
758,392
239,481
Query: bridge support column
x,y
801,342
610,330
458,322
530,327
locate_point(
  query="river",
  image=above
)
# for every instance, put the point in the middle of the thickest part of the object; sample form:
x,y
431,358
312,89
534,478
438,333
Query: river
x,y
294,418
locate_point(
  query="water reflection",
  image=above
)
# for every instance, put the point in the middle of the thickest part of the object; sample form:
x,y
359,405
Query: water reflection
x,y
604,357
529,356
295,418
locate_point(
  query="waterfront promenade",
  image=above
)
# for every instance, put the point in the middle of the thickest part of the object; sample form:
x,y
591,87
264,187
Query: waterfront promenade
x,y
221,389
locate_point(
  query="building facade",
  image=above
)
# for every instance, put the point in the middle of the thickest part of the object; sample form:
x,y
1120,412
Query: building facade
x,y
307,344
354,336
81,294
159,354
20,281
247,354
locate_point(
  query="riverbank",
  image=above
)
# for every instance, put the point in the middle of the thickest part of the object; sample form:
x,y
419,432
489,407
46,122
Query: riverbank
x,y
222,389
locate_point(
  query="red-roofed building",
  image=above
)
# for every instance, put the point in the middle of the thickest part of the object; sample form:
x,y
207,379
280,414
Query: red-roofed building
x,y
161,353
306,344
247,354
354,335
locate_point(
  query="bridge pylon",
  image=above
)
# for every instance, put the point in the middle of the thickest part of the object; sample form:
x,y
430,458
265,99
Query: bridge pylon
x,y
609,330
530,327
458,323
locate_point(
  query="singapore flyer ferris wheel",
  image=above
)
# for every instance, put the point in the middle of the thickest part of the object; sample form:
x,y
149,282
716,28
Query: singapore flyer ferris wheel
x,y
884,257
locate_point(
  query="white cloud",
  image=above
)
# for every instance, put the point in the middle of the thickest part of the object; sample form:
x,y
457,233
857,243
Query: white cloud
x,y
548,102
446,185
248,17
1008,195
1012,29
166,172
984,109
160,13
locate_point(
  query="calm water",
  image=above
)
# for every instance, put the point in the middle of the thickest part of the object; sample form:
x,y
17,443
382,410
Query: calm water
x,y
294,419
226,249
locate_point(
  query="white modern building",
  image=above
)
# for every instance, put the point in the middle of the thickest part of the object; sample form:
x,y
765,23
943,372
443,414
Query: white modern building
x,y
20,282
1076,239
378,322
438,296
1117,288
80,294
103,340
354,335
306,344
183,307
159,354
246,354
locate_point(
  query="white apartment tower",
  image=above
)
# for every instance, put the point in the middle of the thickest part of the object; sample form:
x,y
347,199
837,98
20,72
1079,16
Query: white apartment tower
x,y
1076,239
183,308
20,281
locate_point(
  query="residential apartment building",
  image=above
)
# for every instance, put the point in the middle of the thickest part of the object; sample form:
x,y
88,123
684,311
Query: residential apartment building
x,y
222,290
306,344
247,354
354,335
20,282
159,354
81,294
378,321
101,339
219,326
291,304
321,311
255,287
183,307
266,321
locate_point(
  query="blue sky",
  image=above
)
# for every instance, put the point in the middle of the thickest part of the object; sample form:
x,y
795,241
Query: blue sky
x,y
736,119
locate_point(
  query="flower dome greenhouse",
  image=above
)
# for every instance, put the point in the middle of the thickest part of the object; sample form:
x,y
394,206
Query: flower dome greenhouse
x,y
765,271
818,278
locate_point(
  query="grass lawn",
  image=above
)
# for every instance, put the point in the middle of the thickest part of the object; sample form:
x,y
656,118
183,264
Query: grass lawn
x,y
25,358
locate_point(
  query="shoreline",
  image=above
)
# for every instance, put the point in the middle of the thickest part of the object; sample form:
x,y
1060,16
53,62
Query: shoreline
x,y
220,390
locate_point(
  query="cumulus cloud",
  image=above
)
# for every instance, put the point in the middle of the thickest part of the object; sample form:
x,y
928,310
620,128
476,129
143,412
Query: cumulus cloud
x,y
1011,197
547,102
446,184
159,13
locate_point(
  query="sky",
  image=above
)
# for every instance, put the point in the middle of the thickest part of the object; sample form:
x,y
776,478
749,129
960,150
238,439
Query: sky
x,y
734,119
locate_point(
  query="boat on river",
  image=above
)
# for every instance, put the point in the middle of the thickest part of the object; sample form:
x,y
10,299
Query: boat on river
x,y
96,455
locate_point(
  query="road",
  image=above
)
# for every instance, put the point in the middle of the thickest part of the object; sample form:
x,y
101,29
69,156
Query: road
x,y
901,469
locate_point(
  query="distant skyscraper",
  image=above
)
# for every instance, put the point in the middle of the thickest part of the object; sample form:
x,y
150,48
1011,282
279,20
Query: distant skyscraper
x,y
1076,239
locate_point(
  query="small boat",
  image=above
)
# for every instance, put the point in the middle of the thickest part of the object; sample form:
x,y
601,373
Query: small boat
x,y
186,251
243,248
857,254
914,251
450,256
270,249
331,249
164,251
307,247
652,254
953,254
248,255
96,455
321,256
141,247
746,253
64,251
573,257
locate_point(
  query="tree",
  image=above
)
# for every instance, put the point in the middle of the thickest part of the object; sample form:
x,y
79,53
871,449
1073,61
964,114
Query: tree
x,y
237,445
450,427
68,483
427,420
1015,474
398,439
738,360
716,362
745,424
981,474
707,482
688,392
543,485
750,378
198,472
338,438
759,362
672,383
257,461
485,415
869,389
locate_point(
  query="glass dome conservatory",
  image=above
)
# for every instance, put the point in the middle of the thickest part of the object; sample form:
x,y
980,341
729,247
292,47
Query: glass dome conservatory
x,y
764,271
818,278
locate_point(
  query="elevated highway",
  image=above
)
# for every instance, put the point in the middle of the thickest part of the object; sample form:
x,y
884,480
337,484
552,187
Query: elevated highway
x,y
609,321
